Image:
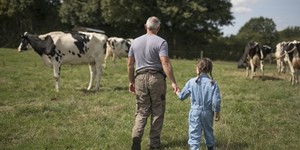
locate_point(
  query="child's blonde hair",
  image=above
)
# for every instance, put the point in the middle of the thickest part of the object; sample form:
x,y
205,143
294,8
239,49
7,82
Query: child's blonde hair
x,y
205,65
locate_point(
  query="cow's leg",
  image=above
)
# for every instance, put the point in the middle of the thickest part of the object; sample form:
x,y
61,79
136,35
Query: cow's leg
x,y
56,75
297,71
92,75
284,67
105,60
252,68
293,80
114,58
98,74
292,77
262,67
292,72
247,71
254,71
279,65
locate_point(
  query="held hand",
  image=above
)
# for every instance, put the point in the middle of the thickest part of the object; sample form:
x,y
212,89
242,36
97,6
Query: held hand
x,y
131,88
175,88
217,118
177,91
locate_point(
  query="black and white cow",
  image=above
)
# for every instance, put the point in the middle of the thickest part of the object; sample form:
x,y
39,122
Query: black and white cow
x,y
292,55
253,57
281,59
117,47
266,53
57,48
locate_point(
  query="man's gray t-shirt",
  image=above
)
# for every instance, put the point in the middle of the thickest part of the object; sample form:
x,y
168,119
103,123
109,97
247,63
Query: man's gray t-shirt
x,y
146,51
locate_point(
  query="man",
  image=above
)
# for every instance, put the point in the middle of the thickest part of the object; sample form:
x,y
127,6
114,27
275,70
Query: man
x,y
149,53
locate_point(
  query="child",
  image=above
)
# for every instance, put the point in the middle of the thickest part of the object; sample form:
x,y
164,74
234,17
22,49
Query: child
x,y
205,101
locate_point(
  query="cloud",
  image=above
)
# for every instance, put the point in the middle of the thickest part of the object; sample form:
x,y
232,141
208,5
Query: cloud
x,y
241,10
242,6
243,2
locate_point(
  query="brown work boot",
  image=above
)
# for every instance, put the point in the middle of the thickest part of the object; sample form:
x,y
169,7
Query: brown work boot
x,y
136,143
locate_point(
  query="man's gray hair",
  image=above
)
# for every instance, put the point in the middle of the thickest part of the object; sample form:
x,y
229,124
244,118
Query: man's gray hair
x,y
153,23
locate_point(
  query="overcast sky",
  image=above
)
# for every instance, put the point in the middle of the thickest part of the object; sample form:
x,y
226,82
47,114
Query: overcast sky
x,y
284,13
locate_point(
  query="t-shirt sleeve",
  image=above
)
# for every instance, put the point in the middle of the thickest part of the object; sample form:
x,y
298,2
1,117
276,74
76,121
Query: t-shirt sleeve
x,y
163,49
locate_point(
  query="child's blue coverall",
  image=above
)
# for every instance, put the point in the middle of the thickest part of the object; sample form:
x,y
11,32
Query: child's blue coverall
x,y
205,100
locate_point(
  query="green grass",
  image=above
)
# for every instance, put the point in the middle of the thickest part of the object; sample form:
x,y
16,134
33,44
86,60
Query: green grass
x,y
260,114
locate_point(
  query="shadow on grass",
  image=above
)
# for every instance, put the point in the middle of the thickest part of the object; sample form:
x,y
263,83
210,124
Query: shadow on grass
x,y
119,88
266,77
104,89
86,92
178,143
221,145
232,145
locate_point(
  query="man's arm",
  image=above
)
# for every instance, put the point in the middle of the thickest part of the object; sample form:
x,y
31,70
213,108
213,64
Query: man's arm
x,y
168,69
130,70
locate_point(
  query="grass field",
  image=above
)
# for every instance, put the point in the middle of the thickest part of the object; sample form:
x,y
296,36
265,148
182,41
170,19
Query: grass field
x,y
258,114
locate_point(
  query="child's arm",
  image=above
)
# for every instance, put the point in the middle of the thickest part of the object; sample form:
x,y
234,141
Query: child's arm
x,y
216,98
185,91
216,101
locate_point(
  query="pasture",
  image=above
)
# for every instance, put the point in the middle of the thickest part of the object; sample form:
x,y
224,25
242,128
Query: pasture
x,y
258,114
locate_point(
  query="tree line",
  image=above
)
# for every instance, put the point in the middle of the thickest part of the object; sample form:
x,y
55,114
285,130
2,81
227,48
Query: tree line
x,y
189,26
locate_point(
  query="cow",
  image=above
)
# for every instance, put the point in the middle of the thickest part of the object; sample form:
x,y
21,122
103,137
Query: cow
x,y
292,55
281,60
254,56
266,53
116,47
57,48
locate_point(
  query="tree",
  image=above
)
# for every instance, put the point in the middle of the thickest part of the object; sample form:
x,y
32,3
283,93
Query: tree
x,y
198,20
290,34
127,17
195,21
31,15
118,12
196,15
262,30
81,12
12,7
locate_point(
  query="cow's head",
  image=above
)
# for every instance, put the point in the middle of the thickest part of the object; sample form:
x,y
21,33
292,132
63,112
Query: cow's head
x,y
120,46
265,50
24,43
255,46
290,48
128,44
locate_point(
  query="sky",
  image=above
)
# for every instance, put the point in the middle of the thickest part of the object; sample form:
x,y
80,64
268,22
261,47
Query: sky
x,y
284,13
